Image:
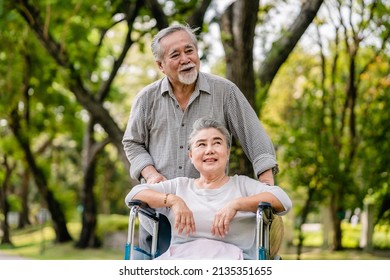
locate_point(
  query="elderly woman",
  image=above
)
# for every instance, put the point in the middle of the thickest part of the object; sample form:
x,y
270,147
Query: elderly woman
x,y
213,216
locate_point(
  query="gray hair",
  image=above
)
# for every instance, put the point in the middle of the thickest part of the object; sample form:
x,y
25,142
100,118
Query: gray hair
x,y
157,51
205,123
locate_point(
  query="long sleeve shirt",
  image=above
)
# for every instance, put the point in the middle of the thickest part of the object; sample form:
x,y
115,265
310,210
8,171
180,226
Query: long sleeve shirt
x,y
158,129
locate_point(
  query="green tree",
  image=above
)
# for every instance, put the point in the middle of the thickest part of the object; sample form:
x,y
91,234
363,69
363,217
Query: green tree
x,y
84,56
333,101
238,24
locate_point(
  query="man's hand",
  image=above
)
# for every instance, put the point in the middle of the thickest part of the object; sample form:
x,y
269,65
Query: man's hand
x,y
151,175
267,177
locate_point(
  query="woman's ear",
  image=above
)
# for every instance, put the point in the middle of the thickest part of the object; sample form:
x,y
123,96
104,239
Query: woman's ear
x,y
190,155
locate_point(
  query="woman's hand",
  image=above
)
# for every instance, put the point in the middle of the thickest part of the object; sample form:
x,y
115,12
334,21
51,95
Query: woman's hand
x,y
222,220
184,219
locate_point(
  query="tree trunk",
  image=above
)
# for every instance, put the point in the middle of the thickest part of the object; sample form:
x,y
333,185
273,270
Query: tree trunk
x,y
4,205
336,222
304,214
24,219
88,237
91,149
237,26
282,48
58,217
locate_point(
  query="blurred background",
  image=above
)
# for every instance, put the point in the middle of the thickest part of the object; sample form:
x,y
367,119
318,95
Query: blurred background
x,y
316,72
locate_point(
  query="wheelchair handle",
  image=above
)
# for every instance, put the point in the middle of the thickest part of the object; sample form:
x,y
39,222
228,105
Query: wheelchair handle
x,y
137,202
144,208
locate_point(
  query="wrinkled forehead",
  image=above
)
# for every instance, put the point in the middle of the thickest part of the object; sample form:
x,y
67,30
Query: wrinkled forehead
x,y
208,134
176,40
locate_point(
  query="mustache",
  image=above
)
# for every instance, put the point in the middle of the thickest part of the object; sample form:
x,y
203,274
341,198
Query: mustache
x,y
188,66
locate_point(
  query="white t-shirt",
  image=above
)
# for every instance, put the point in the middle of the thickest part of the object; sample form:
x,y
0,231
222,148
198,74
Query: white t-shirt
x,y
204,203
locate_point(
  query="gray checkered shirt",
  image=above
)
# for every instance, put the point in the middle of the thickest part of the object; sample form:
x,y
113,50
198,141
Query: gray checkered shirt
x,y
158,130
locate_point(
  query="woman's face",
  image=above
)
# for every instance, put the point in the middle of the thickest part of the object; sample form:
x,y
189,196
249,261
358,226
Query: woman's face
x,y
209,152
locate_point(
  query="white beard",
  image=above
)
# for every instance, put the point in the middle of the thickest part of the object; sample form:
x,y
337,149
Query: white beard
x,y
188,78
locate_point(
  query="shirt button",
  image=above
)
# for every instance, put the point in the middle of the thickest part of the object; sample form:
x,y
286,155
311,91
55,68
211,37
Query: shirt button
x,y
180,167
181,147
182,124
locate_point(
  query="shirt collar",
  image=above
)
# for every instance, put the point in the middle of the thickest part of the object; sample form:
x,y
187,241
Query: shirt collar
x,y
202,85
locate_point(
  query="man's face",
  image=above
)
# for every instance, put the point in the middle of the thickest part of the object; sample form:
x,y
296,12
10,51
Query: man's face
x,y
180,61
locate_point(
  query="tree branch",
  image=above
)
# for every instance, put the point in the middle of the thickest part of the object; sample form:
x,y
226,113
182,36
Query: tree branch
x,y
132,11
282,48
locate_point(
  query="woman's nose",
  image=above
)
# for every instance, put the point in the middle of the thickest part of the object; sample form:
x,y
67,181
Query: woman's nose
x,y
209,149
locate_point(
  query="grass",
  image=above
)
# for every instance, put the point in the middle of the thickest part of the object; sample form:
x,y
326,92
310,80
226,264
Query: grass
x,y
37,243
313,245
347,254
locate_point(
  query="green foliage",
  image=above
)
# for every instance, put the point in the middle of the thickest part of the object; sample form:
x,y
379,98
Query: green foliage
x,y
14,203
328,147
112,223
304,115
351,237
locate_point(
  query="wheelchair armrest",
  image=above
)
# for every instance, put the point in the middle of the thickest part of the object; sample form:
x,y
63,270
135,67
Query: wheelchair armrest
x,y
266,208
144,209
270,236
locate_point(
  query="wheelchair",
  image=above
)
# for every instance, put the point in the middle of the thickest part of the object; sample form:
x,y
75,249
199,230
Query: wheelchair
x,y
268,242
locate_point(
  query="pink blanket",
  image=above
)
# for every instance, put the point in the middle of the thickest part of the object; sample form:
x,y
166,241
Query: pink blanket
x,y
203,249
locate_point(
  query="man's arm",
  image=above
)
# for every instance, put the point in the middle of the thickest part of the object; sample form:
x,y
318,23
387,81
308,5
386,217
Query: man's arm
x,y
244,124
135,139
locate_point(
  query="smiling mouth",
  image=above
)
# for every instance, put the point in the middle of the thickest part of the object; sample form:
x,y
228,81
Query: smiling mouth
x,y
186,70
210,160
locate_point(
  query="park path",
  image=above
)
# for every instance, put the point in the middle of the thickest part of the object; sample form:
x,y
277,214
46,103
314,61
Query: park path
x,y
5,256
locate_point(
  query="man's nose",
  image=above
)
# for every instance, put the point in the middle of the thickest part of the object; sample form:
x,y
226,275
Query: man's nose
x,y
184,58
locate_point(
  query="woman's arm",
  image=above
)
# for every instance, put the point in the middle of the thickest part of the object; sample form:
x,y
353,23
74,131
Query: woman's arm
x,y
225,215
184,219
272,194
250,203
154,199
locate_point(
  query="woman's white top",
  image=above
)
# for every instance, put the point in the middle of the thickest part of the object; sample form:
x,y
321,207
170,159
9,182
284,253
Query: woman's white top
x,y
204,203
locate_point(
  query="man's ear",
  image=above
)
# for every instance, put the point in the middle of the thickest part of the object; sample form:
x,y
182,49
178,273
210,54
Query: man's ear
x,y
160,66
